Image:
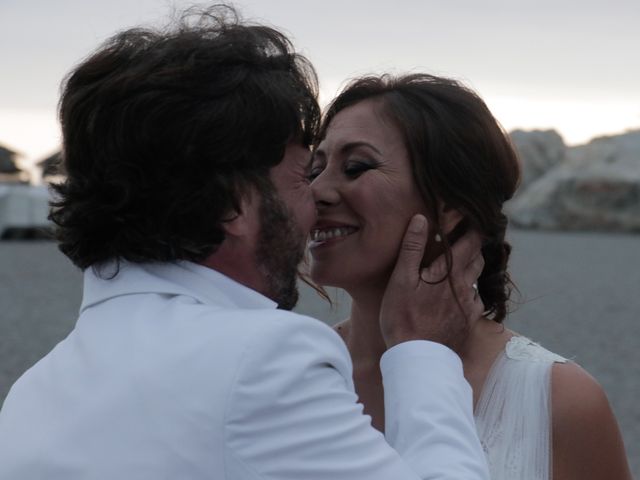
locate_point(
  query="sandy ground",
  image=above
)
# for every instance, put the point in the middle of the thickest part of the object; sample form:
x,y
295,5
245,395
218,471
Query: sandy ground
x,y
580,297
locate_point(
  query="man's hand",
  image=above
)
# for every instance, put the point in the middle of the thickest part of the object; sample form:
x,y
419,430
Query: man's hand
x,y
416,308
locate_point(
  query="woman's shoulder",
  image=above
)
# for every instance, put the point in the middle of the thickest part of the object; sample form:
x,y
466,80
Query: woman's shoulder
x,y
576,397
570,382
578,401
575,393
584,427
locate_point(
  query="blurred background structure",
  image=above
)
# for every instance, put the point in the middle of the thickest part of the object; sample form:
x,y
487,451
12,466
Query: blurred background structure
x,y
562,76
571,65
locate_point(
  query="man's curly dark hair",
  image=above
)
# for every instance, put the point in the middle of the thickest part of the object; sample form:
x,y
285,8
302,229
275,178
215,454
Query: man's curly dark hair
x,y
163,130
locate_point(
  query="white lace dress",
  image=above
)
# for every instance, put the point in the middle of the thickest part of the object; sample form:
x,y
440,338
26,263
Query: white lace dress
x,y
513,414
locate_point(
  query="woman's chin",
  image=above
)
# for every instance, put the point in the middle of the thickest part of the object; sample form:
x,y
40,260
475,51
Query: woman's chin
x,y
326,282
336,276
325,278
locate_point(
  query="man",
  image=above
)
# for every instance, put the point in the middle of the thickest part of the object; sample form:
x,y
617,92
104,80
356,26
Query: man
x,y
187,205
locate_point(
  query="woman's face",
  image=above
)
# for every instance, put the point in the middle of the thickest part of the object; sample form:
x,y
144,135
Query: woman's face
x,y
365,195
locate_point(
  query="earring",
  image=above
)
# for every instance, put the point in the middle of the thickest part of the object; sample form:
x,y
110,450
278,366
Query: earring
x,y
437,238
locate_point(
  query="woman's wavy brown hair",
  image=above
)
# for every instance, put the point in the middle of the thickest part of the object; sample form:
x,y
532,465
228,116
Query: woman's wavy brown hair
x,y
459,155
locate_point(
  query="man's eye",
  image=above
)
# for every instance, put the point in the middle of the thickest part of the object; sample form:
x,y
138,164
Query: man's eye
x,y
314,173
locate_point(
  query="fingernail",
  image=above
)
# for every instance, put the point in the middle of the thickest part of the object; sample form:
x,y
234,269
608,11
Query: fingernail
x,y
418,222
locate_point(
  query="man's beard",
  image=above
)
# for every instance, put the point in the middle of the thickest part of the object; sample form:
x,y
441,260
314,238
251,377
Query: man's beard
x,y
280,250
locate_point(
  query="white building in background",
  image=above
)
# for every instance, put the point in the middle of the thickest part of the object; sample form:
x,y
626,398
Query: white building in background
x,y
24,199
23,211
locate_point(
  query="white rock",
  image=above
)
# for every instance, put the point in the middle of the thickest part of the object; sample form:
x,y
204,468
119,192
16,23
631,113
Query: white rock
x,y
539,151
597,188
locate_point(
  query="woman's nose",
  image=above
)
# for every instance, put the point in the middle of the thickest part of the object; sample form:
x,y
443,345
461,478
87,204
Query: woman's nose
x,y
325,190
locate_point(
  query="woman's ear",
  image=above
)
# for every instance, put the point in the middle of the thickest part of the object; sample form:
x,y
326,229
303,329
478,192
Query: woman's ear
x,y
449,218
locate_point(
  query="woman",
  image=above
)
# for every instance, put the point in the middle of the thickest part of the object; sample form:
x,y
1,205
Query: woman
x,y
390,148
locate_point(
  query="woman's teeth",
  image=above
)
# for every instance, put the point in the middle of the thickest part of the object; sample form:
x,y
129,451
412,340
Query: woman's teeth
x,y
328,233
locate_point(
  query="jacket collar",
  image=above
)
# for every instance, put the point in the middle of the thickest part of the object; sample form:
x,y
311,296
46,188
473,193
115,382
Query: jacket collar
x,y
204,284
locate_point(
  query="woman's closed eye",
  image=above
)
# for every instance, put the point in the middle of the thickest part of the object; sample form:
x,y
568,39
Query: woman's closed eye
x,y
355,168
352,169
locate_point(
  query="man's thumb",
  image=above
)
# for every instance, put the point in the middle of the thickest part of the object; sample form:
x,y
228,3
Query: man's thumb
x,y
412,249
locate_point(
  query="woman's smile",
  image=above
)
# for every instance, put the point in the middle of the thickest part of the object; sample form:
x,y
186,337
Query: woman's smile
x,y
365,195
327,235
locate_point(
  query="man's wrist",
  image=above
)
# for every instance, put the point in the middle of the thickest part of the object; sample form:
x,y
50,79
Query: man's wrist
x,y
400,352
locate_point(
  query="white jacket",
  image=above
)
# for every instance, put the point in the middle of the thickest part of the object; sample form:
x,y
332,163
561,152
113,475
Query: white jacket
x,y
175,371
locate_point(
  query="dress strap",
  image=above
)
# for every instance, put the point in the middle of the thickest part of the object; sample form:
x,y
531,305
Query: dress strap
x,y
513,414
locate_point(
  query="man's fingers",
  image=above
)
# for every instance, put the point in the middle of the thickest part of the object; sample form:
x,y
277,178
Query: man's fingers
x,y
436,272
463,253
465,276
466,249
412,249
474,270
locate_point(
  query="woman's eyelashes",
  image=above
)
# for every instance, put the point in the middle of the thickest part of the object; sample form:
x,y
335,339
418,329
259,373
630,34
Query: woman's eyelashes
x,y
351,169
355,168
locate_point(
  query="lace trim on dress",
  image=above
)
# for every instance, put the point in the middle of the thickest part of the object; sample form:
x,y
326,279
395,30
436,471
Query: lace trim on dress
x,y
513,413
521,348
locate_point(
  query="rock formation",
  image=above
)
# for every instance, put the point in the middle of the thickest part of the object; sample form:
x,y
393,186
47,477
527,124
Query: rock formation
x,y
597,187
539,151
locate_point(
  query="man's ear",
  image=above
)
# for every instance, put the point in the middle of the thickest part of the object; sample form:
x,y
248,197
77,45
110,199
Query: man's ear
x,y
235,257
242,223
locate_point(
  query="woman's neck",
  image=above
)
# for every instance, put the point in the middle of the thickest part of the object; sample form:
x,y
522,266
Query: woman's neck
x,y
366,345
365,342
363,336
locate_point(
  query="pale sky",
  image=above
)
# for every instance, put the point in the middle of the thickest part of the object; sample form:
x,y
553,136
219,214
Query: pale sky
x,y
572,65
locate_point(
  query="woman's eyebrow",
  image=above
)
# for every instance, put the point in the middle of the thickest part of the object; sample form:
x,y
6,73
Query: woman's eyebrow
x,y
347,147
344,149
